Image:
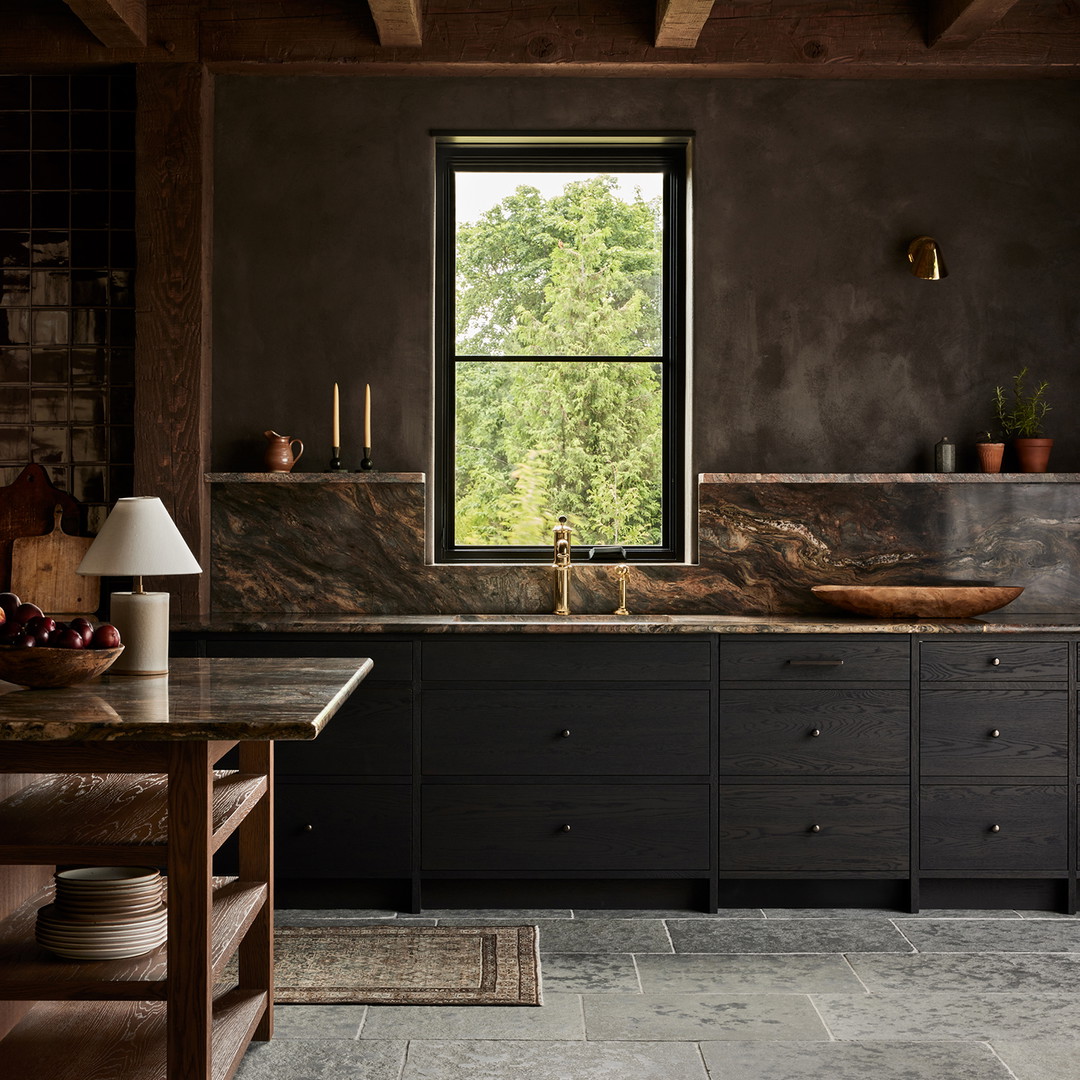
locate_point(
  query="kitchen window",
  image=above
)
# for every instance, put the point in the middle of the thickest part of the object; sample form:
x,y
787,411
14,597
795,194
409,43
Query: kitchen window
x,y
560,346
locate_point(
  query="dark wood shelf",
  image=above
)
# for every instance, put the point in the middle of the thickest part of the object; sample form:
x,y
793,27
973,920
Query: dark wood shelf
x,y
120,1040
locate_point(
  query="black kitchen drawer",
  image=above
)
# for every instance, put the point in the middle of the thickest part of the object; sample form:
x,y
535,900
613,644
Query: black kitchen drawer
x,y
370,735
807,828
392,659
814,732
547,732
993,660
601,827
342,830
994,732
994,827
576,659
824,658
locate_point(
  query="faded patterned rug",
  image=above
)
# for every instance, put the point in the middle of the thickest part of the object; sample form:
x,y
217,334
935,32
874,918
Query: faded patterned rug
x,y
407,965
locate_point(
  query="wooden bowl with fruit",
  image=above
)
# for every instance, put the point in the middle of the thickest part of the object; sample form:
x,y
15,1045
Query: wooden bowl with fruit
x,y
41,652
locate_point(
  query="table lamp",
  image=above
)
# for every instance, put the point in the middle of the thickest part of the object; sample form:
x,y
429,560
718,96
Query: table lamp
x,y
139,538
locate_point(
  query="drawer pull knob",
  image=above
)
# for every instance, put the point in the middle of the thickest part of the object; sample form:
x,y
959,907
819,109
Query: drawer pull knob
x,y
815,828
995,662
566,828
815,732
995,734
816,663
995,828
565,733
308,828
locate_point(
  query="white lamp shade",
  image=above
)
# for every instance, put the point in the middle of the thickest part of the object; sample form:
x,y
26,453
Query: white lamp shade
x,y
139,538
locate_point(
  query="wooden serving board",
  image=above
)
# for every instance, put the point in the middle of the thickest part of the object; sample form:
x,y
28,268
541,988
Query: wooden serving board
x,y
26,509
43,571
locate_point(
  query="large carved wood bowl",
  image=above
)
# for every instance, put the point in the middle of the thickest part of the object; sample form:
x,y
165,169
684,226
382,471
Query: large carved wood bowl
x,y
918,601
42,668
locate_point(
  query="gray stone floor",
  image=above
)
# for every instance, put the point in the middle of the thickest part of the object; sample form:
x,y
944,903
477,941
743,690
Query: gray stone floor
x,y
742,995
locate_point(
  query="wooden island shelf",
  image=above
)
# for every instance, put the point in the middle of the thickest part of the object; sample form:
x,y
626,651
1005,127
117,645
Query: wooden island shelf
x,y
118,772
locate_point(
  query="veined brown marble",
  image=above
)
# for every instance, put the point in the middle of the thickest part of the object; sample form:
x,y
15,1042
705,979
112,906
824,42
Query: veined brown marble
x,y
357,548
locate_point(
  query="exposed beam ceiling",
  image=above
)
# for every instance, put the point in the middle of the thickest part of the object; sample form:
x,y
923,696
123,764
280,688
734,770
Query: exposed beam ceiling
x,y
958,23
117,24
399,22
679,22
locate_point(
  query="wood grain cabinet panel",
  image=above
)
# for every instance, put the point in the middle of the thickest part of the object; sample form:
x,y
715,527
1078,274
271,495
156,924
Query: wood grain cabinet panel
x,y
547,732
987,827
993,660
595,827
798,732
823,658
994,733
810,828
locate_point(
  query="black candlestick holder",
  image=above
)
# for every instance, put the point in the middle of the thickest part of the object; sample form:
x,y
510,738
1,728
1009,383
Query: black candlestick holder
x,y
335,459
366,464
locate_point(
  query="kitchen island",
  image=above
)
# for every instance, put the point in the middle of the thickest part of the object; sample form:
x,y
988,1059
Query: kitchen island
x,y
122,771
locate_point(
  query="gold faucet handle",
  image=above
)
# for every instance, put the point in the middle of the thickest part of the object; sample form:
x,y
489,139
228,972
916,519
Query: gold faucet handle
x,y
622,572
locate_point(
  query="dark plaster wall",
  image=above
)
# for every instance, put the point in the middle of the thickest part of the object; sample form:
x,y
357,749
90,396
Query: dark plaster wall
x,y
815,350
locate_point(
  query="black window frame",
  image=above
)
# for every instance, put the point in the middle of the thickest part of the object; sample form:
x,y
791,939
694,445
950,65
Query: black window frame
x,y
667,153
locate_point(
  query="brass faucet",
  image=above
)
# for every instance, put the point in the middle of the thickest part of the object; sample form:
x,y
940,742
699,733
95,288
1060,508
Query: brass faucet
x,y
562,568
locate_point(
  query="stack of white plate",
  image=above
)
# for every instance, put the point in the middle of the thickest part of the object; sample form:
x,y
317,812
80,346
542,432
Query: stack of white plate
x,y
104,913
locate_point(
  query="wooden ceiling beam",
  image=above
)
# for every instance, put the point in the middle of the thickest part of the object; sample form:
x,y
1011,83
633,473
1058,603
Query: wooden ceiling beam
x,y
399,23
117,24
679,22
957,23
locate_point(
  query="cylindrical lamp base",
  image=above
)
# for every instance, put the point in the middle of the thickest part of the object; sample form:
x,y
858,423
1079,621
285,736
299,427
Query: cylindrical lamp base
x,y
143,622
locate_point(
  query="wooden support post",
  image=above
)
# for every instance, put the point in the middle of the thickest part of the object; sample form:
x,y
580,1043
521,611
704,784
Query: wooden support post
x,y
959,22
119,24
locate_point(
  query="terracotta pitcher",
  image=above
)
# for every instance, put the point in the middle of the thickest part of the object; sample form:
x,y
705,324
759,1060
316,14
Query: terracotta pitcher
x,y
279,455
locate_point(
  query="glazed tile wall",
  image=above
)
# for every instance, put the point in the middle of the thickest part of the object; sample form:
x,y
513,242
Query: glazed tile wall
x,y
67,267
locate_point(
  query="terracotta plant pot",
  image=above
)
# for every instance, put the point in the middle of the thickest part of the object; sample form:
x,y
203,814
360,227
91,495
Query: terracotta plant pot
x,y
990,454
1034,454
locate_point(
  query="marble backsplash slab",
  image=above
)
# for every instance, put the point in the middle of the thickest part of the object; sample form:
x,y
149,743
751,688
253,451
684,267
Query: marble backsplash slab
x,y
355,544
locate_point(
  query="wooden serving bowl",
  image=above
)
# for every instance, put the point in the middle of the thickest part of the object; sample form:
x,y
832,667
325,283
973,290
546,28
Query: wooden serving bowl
x,y
918,601
41,668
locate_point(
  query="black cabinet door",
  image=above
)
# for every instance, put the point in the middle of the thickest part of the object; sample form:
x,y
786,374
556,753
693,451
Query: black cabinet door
x,y
993,660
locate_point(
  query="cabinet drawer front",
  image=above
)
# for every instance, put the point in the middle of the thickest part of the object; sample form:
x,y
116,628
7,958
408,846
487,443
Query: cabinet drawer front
x,y
993,660
820,659
370,735
342,830
611,827
392,659
545,732
814,827
958,827
568,660
837,732
994,732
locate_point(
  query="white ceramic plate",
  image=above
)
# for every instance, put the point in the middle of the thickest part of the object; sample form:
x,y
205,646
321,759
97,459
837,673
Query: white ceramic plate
x,y
108,875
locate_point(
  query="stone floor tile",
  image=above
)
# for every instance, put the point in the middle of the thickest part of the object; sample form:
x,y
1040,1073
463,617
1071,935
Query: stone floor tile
x,y
590,973
959,913
604,935
967,972
329,916
723,913
758,973
699,1017
931,1016
994,935
504,914
832,913
1041,1059
318,1021
884,1060
330,1059
786,936
487,1060
559,1018
1047,915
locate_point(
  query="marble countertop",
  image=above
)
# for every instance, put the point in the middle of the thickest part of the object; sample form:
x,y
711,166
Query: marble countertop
x,y
285,623
200,699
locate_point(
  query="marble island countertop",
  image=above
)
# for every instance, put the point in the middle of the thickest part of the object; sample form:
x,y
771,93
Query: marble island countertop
x,y
200,699
998,622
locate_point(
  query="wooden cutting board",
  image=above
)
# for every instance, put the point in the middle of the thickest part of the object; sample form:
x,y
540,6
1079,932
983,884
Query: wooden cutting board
x,y
43,571
26,509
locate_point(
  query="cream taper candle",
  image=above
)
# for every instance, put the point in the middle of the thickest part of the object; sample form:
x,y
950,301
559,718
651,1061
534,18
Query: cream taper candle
x,y
367,414
337,418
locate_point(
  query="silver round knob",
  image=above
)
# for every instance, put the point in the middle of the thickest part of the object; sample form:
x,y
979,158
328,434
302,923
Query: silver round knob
x,y
995,828
566,828
995,734
815,732
565,733
815,828
995,662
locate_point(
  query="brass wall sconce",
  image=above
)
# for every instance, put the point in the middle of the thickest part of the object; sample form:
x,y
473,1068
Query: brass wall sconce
x,y
925,257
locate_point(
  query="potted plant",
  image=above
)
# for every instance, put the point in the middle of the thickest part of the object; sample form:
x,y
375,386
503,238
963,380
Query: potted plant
x,y
990,452
1022,420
